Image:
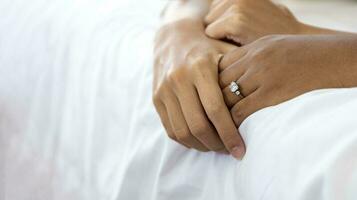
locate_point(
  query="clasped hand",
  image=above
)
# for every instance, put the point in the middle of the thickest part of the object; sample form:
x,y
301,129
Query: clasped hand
x,y
187,95
191,79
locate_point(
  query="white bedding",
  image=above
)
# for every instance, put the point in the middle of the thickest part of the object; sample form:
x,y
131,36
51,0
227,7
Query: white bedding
x,y
76,120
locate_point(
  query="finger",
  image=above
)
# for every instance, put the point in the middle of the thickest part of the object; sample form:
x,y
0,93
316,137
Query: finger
x,y
221,28
224,47
229,26
247,85
230,98
213,103
247,106
232,57
161,110
216,11
179,125
232,73
197,120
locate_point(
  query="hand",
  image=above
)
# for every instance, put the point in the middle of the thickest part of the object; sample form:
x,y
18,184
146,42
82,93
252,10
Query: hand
x,y
245,21
277,68
187,95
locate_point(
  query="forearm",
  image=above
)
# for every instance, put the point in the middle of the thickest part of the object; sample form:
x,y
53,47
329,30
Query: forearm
x,y
346,46
313,30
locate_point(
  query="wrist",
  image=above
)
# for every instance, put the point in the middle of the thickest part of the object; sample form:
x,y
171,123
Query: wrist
x,y
347,68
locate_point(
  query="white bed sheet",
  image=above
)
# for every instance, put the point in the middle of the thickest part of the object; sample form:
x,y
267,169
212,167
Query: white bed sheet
x,y
76,120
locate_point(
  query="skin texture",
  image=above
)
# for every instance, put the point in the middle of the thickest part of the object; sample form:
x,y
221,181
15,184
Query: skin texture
x,y
187,95
277,68
190,90
244,21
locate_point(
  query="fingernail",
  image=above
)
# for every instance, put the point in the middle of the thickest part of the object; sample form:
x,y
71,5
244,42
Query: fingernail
x,y
238,152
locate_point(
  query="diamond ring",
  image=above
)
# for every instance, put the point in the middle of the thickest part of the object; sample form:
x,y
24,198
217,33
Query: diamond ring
x,y
234,88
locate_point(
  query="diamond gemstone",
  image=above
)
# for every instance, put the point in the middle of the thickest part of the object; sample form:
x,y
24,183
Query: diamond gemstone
x,y
234,87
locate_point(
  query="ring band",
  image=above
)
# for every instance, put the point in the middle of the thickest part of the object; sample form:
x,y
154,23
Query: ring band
x,y
234,88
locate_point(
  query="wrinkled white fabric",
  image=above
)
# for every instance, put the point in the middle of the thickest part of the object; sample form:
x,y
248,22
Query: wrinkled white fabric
x,y
77,123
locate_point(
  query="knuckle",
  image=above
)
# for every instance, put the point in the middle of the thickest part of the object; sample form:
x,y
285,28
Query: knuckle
x,y
183,136
199,63
157,93
175,76
199,133
155,100
199,130
156,97
213,109
237,114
